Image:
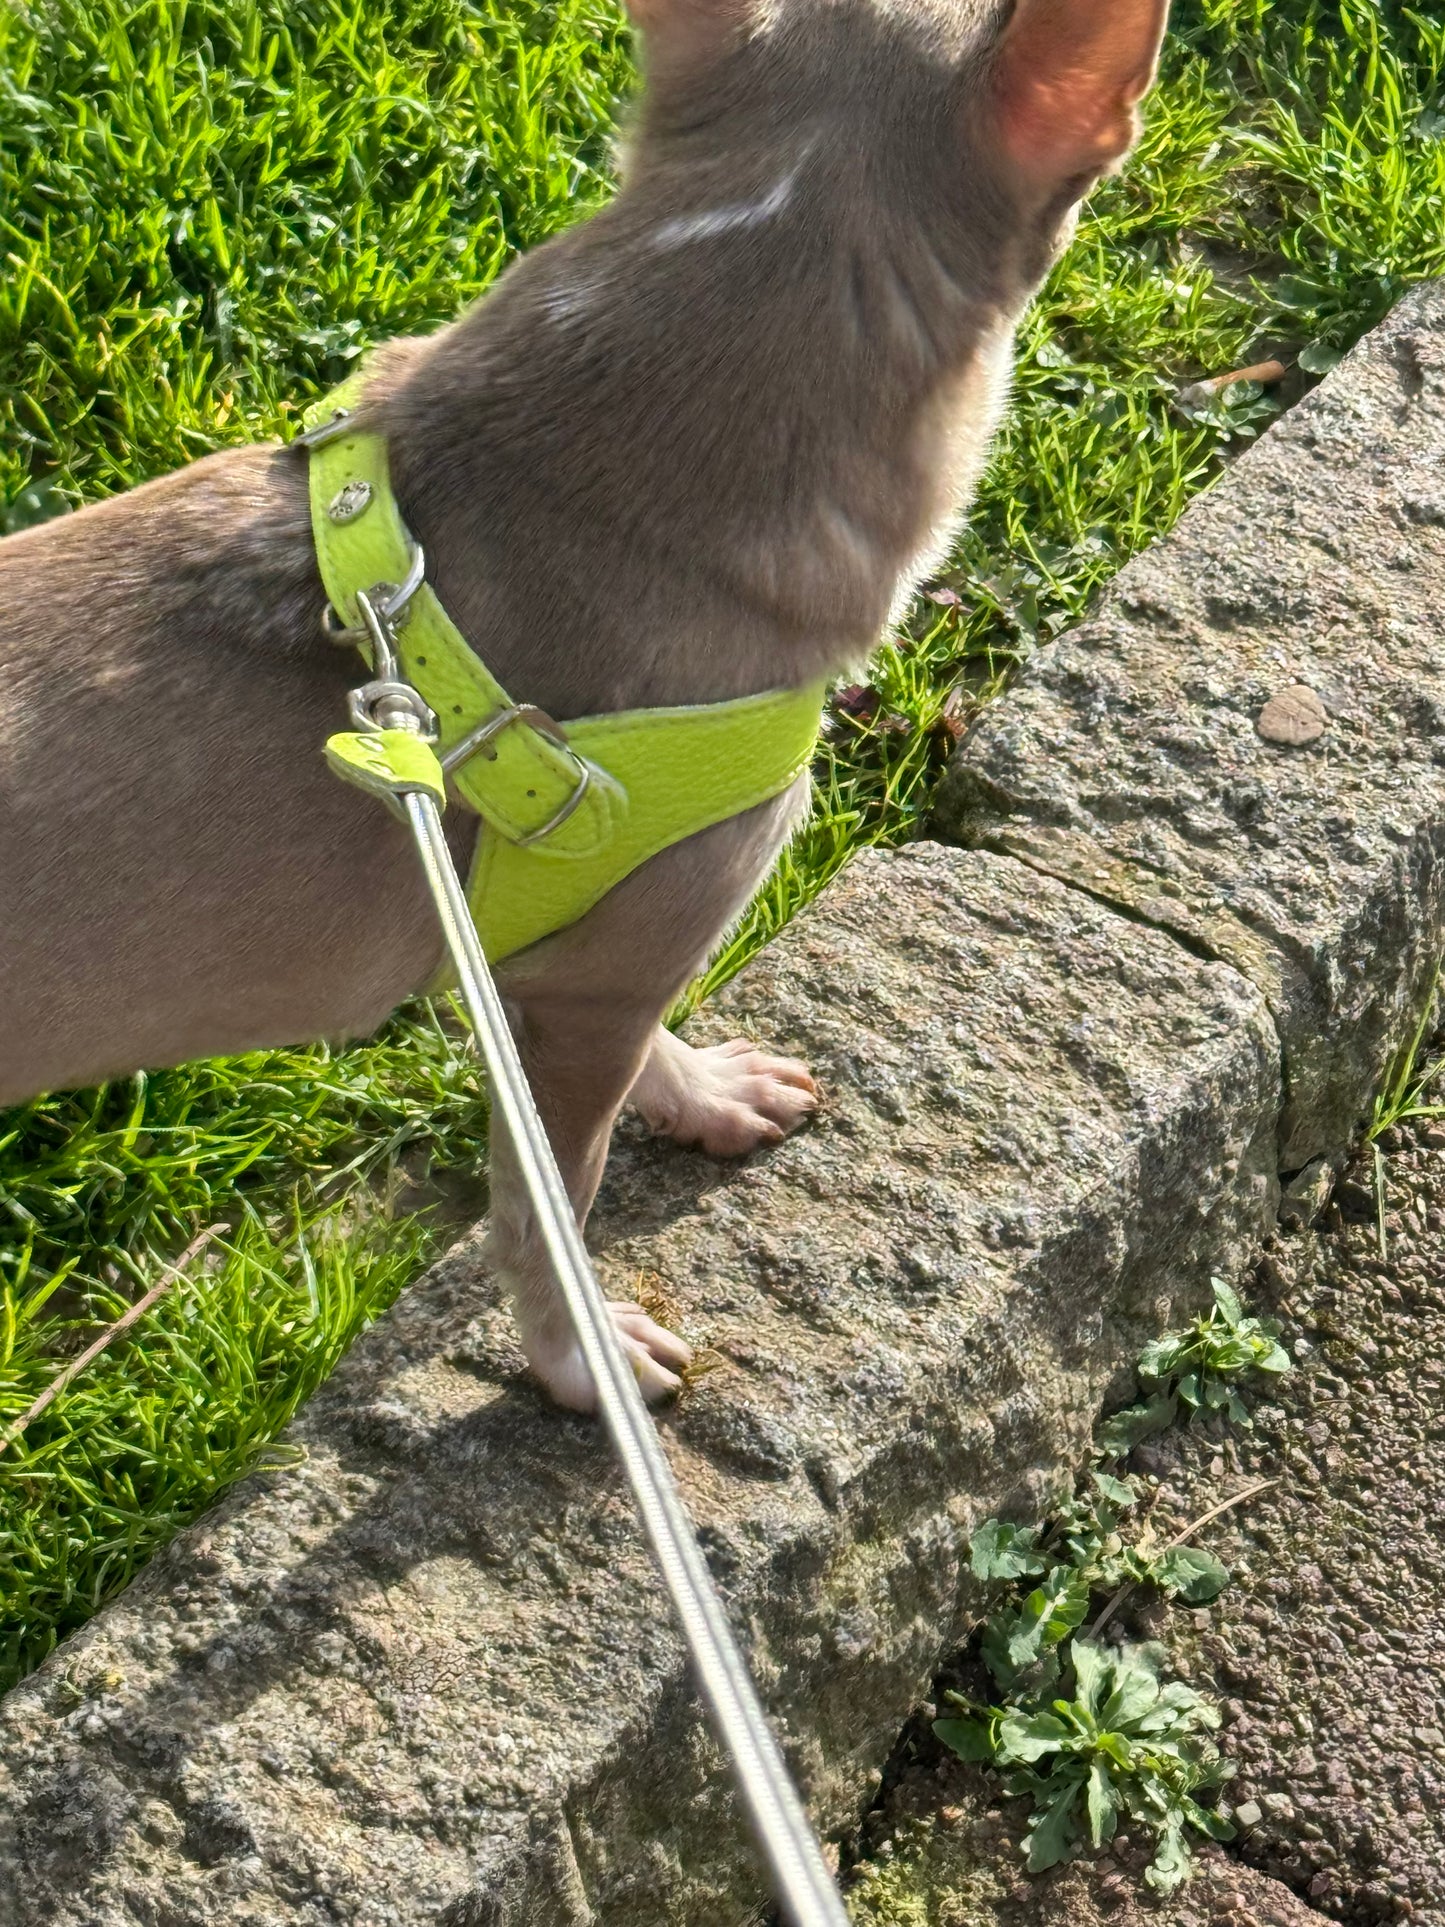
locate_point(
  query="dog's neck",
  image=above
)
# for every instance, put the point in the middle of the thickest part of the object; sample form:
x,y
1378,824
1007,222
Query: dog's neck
x,y
862,366
744,405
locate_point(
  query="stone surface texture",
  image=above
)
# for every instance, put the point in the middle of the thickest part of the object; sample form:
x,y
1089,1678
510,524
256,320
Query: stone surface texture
x,y
426,1675
1328,1652
1128,758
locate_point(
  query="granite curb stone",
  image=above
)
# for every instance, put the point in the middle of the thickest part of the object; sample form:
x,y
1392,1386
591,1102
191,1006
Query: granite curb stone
x,y
1128,757
426,1676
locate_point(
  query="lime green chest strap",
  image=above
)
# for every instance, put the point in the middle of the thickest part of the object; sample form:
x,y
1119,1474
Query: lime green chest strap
x,y
566,815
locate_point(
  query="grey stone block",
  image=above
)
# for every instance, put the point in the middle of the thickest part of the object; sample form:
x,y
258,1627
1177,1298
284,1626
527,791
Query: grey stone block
x,y
426,1675
1127,758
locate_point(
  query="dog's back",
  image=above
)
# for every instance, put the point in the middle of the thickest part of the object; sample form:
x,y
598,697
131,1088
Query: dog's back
x,y
179,873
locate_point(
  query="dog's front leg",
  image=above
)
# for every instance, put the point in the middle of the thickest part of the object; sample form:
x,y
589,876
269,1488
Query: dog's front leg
x,y
580,1060
586,1005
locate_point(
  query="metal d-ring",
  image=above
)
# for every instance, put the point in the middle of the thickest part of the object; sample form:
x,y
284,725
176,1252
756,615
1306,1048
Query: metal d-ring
x,y
387,600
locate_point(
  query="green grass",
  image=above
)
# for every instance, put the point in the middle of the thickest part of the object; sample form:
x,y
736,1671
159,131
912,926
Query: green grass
x,y
207,212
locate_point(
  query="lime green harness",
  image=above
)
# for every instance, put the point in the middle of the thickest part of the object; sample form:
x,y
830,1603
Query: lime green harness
x,y
566,815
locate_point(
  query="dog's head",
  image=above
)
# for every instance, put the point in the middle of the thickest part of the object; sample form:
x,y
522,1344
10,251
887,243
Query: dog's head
x,y
994,120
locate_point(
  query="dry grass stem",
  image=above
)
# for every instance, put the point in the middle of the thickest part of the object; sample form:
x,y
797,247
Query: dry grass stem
x,y
138,1310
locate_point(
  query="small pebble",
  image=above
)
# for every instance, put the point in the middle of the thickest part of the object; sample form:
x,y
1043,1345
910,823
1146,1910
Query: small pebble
x,y
1293,715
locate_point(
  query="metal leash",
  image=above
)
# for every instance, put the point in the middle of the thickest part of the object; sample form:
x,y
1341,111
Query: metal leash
x,y
801,1882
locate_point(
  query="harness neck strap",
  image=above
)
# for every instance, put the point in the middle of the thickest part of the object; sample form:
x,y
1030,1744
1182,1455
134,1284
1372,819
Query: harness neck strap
x,y
511,763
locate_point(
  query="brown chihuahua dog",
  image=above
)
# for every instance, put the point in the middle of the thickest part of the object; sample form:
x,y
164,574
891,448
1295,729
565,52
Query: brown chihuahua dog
x,y
703,445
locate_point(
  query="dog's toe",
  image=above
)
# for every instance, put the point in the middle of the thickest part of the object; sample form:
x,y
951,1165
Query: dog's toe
x,y
728,1098
657,1356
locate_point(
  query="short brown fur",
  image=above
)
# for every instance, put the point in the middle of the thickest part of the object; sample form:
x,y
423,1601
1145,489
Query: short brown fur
x,y
702,445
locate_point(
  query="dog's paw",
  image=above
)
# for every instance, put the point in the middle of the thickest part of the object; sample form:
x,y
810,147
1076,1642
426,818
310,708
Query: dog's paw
x,y
728,1099
658,1357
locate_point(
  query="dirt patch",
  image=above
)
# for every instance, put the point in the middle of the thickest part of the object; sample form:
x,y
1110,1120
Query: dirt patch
x,y
945,1853
1327,1652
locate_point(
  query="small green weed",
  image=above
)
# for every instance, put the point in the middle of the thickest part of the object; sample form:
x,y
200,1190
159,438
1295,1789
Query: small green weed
x,y
1202,1368
1083,1552
1119,1743
1114,1740
1405,1093
1411,1090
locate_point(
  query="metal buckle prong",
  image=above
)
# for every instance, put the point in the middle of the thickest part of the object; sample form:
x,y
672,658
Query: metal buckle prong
x,y
476,740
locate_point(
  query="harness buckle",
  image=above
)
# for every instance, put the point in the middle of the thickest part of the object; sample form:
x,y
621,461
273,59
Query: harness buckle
x,y
476,742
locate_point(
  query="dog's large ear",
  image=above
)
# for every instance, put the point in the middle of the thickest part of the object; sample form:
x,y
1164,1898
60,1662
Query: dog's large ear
x,y
1068,76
